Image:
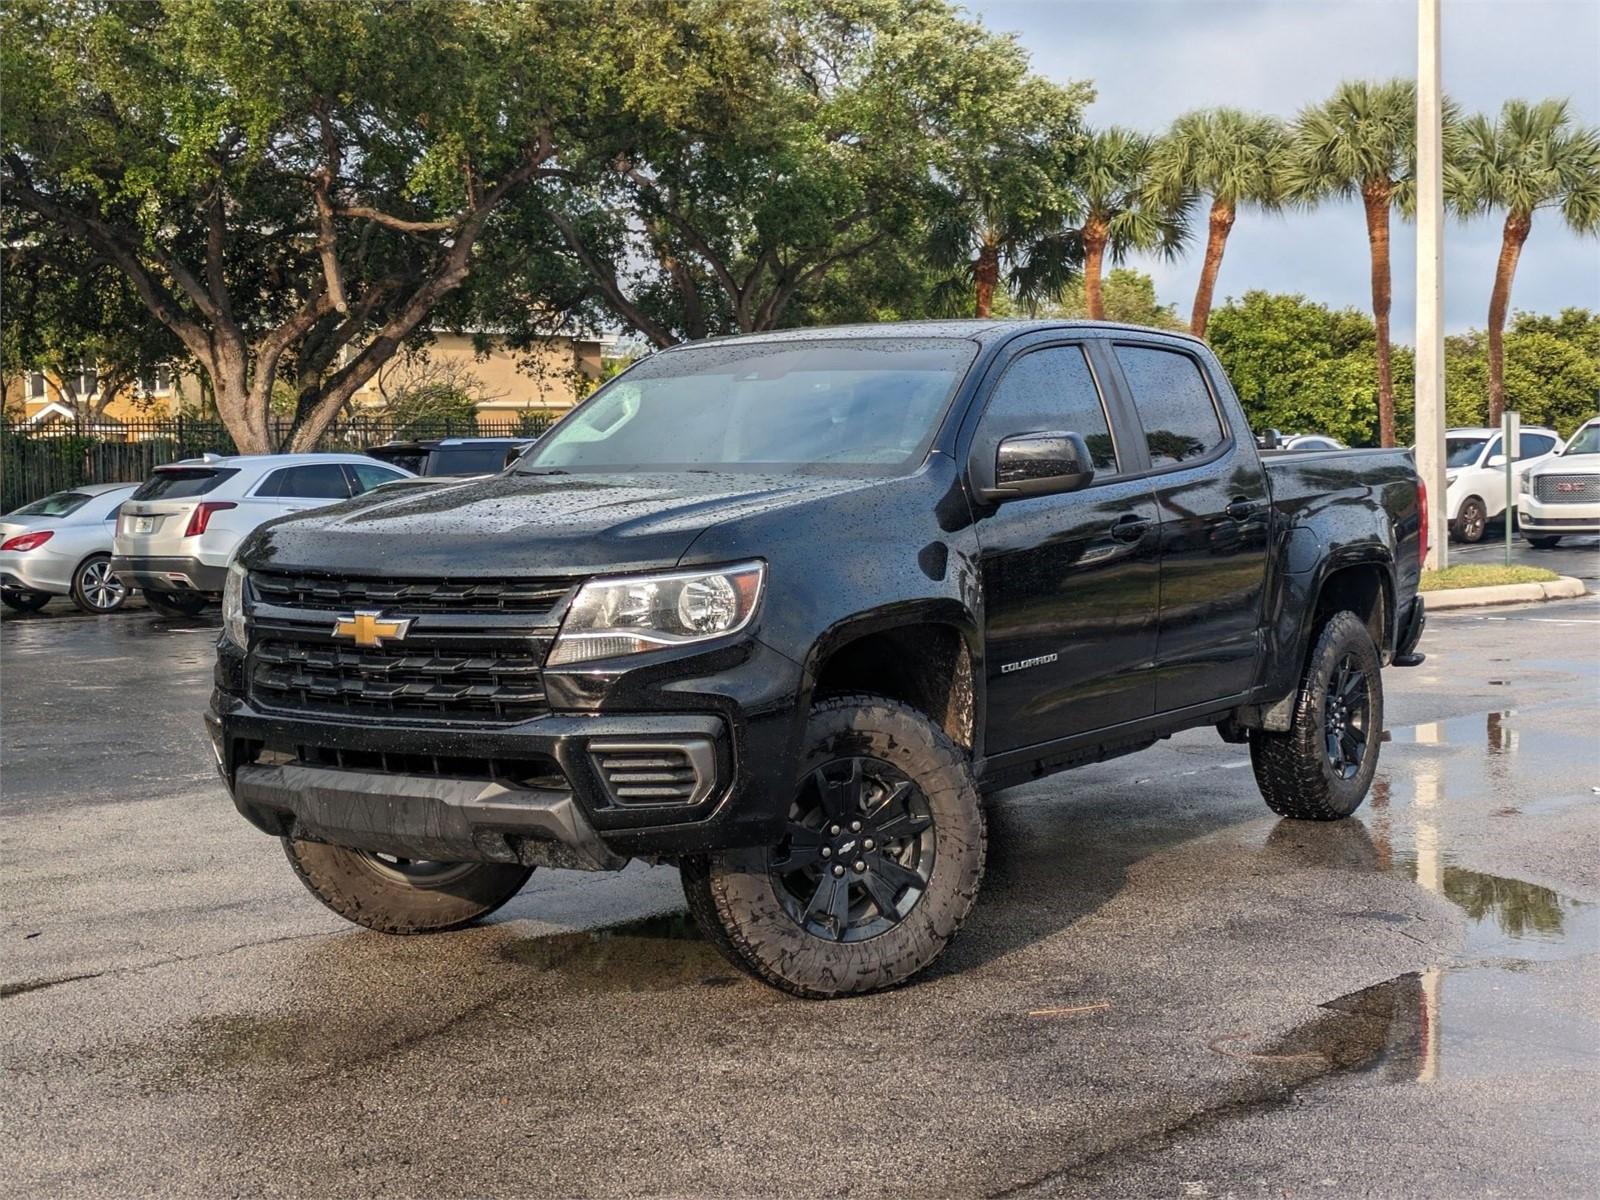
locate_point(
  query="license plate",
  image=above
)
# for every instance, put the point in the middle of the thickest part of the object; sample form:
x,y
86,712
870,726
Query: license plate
x,y
144,524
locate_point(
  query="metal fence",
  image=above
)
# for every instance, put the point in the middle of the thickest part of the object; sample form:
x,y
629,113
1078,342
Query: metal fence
x,y
36,460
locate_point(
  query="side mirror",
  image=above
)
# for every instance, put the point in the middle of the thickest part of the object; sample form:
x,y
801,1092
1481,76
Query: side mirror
x,y
1039,464
1496,460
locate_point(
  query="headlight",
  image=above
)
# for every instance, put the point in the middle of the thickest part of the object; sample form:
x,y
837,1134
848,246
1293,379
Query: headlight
x,y
234,627
611,617
1526,483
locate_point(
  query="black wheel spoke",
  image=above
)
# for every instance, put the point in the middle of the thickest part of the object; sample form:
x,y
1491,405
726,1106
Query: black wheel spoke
x,y
892,803
830,903
804,849
1334,754
883,893
897,875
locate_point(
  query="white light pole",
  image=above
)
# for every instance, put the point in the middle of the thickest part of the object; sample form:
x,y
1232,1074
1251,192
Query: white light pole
x,y
1430,278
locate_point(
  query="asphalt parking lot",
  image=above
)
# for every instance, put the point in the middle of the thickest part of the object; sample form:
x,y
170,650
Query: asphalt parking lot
x,y
1164,990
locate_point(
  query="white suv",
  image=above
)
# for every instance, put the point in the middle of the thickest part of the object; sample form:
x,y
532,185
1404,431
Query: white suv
x,y
1563,496
177,533
1475,472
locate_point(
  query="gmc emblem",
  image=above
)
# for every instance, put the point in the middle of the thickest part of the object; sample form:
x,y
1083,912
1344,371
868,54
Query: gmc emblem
x,y
1569,487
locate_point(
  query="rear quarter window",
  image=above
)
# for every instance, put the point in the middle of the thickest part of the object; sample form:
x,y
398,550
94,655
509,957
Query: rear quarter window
x,y
1174,403
177,483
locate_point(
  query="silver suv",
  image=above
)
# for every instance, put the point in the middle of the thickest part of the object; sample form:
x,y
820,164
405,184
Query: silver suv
x,y
177,533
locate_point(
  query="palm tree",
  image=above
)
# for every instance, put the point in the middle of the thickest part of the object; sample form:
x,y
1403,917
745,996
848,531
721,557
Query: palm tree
x,y
1235,158
1362,141
1533,157
1119,207
978,238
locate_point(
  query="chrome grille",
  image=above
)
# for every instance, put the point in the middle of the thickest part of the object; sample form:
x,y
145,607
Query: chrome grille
x,y
533,596
1567,489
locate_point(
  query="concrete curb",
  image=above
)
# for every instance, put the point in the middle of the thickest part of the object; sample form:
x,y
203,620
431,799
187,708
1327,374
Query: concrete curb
x,y
1564,588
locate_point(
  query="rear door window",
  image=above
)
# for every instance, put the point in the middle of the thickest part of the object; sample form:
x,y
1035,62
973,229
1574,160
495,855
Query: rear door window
x,y
1531,445
178,483
1180,418
467,460
318,481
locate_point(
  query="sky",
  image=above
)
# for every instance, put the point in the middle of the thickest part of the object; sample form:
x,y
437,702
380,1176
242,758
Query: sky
x,y
1153,59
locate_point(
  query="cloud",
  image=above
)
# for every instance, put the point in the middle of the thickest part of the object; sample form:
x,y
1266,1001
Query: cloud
x,y
1153,59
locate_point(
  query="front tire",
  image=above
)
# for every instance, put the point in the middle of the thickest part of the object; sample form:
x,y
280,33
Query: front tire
x,y
24,602
1321,768
1472,521
175,604
878,868
402,896
95,588
1544,543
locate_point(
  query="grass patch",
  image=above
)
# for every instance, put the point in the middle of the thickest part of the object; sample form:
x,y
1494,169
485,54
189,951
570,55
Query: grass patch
x,y
1483,576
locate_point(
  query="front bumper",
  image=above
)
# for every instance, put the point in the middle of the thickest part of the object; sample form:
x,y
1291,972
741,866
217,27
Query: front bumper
x,y
1542,519
170,574
543,791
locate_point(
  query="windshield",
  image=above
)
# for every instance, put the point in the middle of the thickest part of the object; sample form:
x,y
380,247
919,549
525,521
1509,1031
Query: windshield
x,y
1463,451
58,505
867,406
1585,441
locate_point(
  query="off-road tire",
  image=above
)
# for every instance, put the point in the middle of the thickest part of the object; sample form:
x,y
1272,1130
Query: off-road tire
x,y
24,602
1293,769
1543,543
175,604
1471,523
348,882
85,587
734,894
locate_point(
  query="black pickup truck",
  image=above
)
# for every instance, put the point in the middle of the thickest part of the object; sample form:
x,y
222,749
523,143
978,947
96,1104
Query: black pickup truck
x,y
782,608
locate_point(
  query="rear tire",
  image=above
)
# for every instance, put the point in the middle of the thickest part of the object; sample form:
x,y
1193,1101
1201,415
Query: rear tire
x,y
175,604
1321,768
1471,523
394,895
1544,543
95,589
24,602
826,913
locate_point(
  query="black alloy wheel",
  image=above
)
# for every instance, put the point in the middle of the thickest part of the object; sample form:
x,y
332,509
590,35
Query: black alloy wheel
x,y
858,853
1346,717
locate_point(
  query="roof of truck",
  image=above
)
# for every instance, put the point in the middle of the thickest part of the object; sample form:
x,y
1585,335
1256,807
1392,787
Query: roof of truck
x,y
971,330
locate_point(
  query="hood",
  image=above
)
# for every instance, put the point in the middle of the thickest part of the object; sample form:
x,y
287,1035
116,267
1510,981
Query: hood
x,y
509,525
1570,464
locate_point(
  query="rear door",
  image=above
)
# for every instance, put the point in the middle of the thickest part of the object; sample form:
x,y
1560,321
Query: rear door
x,y
153,521
1069,582
294,489
1211,493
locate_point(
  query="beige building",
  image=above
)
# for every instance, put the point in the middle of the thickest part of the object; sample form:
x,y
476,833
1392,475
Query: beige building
x,y
550,377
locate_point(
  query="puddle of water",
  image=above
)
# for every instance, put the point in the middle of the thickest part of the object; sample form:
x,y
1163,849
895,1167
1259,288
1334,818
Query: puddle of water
x,y
654,954
1491,1004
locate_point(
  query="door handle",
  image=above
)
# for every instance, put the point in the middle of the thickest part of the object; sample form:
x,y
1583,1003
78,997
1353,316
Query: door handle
x,y
1239,508
1130,528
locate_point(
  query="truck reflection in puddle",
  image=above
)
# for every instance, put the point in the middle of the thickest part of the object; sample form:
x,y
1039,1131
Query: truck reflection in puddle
x,y
1499,1000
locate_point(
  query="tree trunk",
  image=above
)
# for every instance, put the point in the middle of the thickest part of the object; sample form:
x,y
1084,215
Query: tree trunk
x,y
1511,240
1222,216
986,274
1094,252
1375,198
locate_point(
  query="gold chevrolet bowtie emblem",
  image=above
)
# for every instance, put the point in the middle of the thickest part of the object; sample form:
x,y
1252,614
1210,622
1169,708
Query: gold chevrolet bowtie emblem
x,y
368,627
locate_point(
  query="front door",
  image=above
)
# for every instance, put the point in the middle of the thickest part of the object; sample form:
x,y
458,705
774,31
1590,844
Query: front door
x,y
1214,522
1069,582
